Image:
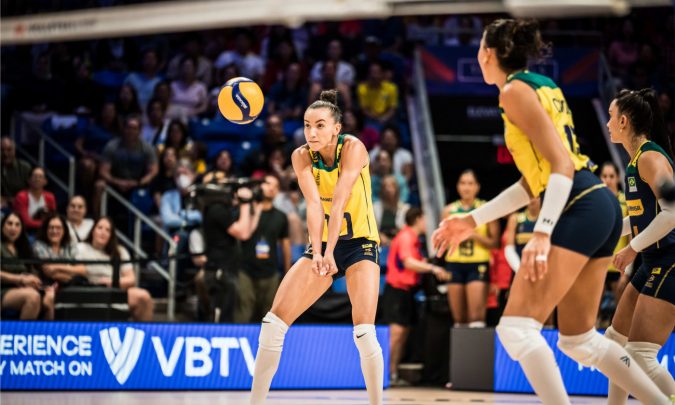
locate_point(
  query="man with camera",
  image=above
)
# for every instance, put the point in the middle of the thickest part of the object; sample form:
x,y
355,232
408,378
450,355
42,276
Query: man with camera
x,y
259,275
227,221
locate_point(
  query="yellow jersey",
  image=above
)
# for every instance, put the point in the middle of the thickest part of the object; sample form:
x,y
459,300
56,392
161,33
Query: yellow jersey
x,y
359,218
623,241
531,164
469,251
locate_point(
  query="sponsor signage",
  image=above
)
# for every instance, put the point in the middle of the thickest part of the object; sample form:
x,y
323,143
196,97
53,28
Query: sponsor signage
x,y
134,356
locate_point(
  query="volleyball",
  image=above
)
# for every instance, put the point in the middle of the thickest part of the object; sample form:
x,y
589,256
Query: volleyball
x,y
241,100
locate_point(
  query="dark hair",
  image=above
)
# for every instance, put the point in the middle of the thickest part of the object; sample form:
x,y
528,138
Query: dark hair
x,y
396,130
112,247
155,100
612,165
22,245
192,59
34,168
184,131
134,107
412,215
42,234
645,116
328,99
468,171
133,117
516,41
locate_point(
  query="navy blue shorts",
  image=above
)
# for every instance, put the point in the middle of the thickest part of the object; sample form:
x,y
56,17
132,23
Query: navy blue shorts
x,y
655,276
591,221
464,273
348,252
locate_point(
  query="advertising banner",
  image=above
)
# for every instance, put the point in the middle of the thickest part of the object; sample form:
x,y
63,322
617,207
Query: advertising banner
x,y
579,380
153,356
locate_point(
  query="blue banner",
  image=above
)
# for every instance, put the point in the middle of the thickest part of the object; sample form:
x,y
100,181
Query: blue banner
x,y
150,356
455,71
579,380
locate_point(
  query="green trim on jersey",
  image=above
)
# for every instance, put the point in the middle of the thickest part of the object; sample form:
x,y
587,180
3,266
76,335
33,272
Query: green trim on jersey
x,y
534,80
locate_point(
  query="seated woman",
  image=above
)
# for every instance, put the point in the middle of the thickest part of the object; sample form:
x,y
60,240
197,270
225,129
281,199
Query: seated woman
x,y
102,245
34,203
19,285
53,242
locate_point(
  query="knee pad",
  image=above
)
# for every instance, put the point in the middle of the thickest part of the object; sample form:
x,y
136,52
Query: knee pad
x,y
366,341
587,348
644,353
272,333
615,336
520,336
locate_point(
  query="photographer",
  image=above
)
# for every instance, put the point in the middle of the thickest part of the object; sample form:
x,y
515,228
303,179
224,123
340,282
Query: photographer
x,y
259,278
226,222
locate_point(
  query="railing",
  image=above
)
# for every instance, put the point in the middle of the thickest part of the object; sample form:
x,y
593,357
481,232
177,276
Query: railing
x,y
139,220
68,187
139,217
427,165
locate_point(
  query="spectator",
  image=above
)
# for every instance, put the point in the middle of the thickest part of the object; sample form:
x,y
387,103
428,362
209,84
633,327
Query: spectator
x,y
402,158
178,138
144,82
127,102
284,56
19,285
129,162
274,138
404,263
287,96
162,93
41,92
91,142
53,243
173,208
102,245
34,203
222,168
352,123
191,49
165,180
155,123
79,225
291,203
83,93
198,155
378,98
328,81
189,96
470,261
259,278
224,227
623,52
383,167
15,172
389,210
344,71
278,166
249,63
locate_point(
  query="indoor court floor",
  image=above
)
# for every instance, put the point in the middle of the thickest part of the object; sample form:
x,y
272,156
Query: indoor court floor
x,y
393,396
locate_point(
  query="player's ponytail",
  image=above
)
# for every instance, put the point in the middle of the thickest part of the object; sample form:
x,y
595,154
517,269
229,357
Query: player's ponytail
x,y
328,99
642,109
516,42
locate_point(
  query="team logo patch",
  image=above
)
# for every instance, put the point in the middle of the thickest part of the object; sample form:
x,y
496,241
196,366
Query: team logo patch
x,y
635,207
632,185
656,271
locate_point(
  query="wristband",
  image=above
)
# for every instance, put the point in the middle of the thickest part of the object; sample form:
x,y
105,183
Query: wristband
x,y
557,193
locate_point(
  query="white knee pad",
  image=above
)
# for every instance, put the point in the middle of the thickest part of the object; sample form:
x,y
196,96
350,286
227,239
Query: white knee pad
x,y
520,336
615,336
644,353
366,341
272,333
587,348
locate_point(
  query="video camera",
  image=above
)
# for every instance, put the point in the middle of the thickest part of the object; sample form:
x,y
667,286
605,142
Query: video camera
x,y
222,191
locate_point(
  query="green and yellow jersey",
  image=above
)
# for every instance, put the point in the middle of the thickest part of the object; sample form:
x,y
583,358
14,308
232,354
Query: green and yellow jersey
x,y
469,251
359,218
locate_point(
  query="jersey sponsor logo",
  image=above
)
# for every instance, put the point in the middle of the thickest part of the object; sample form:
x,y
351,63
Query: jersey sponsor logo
x,y
635,207
632,185
326,199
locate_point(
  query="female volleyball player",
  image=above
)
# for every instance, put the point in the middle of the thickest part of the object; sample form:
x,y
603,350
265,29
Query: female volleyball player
x,y
645,315
565,262
334,178
469,264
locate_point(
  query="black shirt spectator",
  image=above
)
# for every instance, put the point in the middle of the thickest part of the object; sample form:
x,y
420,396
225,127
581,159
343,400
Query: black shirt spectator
x,y
287,97
259,254
15,172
